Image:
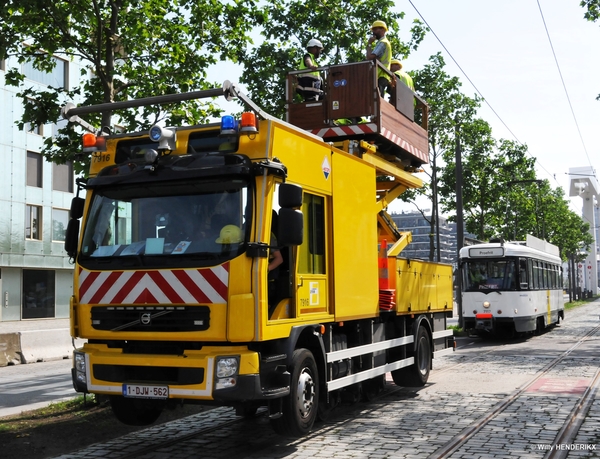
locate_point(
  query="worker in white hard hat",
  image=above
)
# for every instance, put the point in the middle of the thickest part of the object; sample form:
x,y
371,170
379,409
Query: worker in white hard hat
x,y
310,84
382,52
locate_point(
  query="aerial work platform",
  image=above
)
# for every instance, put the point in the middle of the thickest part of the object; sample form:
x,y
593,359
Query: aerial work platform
x,y
351,108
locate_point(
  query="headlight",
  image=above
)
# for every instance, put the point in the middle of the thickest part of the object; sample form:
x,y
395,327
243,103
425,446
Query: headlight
x,y
227,367
80,362
486,304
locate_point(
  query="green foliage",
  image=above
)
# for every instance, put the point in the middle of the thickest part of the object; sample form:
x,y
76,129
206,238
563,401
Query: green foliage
x,y
342,25
593,9
500,191
131,49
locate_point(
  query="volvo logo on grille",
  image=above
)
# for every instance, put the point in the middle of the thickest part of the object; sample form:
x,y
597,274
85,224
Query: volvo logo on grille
x,y
146,318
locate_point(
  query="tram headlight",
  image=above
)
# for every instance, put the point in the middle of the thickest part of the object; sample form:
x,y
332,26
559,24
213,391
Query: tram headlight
x,y
486,304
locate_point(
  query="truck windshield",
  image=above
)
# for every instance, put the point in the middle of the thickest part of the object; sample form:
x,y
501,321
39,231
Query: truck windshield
x,y
166,223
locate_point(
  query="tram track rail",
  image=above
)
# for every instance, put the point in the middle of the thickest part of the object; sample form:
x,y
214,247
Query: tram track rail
x,y
252,440
570,427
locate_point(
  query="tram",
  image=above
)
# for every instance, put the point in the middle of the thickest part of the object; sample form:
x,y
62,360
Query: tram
x,y
511,287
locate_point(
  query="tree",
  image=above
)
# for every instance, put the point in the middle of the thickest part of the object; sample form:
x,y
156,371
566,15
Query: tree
x,y
342,25
130,49
593,9
446,103
592,14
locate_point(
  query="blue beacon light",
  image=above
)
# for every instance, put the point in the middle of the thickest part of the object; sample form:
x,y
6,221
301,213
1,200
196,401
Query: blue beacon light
x,y
228,125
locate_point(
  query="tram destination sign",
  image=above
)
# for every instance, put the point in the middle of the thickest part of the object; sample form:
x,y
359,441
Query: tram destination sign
x,y
480,252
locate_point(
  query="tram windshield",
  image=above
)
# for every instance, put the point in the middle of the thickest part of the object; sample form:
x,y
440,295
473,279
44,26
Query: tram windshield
x,y
490,275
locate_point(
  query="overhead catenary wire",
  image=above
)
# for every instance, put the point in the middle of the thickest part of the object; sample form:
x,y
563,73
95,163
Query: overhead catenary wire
x,y
478,91
563,84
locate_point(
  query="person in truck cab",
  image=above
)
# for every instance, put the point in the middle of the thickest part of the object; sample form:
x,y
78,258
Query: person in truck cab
x,y
382,52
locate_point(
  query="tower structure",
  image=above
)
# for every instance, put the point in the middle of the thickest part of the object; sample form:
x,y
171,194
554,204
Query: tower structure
x,y
583,183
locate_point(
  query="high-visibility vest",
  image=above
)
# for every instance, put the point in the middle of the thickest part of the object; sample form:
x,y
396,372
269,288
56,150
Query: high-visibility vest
x,y
313,74
406,79
385,59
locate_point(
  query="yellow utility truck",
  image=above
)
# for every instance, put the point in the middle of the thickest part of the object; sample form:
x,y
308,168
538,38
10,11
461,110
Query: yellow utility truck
x,y
175,238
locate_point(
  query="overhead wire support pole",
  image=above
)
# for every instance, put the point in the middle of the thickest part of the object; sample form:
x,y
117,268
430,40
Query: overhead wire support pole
x,y
459,222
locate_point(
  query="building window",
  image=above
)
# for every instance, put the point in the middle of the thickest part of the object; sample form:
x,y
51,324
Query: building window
x,y
57,126
56,78
39,130
34,169
60,218
33,222
62,177
38,294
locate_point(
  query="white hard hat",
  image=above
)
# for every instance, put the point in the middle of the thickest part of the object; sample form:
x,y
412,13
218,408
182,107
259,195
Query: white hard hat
x,y
314,42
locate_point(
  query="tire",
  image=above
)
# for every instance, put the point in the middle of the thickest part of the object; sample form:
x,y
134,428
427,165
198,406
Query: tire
x,y
540,325
301,406
372,387
136,412
417,374
247,409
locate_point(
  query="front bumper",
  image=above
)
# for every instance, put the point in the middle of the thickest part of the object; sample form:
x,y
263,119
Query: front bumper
x,y
190,376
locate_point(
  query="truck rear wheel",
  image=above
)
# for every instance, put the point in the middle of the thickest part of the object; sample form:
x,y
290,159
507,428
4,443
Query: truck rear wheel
x,y
417,374
301,406
136,412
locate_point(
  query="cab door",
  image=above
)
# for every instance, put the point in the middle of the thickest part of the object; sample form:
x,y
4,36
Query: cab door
x,y
312,283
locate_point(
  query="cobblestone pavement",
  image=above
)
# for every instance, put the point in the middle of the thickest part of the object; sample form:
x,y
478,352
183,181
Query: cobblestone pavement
x,y
415,423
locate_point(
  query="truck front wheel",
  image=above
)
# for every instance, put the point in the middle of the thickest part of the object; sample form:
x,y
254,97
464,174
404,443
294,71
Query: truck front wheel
x,y
136,412
301,406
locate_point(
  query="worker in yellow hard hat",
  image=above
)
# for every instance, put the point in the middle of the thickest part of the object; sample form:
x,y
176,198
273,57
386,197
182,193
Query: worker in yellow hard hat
x,y
396,67
310,83
382,52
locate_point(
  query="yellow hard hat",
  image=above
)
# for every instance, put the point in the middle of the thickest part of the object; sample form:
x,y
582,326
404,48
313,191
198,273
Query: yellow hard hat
x,y
379,24
230,234
396,61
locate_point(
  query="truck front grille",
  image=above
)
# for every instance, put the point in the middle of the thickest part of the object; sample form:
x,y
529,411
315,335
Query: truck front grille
x,y
156,375
151,318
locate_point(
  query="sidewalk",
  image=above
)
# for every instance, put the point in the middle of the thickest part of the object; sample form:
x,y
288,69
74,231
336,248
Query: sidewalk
x,y
29,341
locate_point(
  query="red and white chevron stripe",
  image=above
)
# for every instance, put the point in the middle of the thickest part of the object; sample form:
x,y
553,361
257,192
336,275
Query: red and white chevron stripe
x,y
353,129
178,286
422,155
371,128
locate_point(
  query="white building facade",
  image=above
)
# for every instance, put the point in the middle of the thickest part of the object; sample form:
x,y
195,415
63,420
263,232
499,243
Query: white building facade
x,y
36,278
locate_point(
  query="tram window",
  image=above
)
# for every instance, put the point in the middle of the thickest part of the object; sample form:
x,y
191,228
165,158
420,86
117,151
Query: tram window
x,y
544,275
523,278
537,275
530,274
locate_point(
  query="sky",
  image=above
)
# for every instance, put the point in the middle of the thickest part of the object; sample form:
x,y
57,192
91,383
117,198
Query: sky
x,y
501,51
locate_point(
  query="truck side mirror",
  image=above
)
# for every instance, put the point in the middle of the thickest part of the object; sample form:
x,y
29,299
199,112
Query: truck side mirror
x,y
290,227
290,195
71,237
72,233
77,205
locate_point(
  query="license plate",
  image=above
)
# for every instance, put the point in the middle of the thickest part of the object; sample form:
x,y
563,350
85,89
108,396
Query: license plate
x,y
143,391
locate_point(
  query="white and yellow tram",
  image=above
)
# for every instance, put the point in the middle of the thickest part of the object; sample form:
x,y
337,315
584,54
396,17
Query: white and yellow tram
x,y
511,286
